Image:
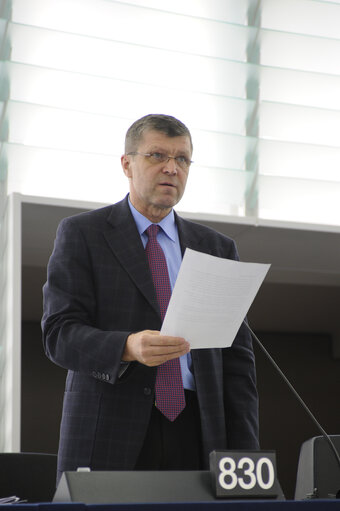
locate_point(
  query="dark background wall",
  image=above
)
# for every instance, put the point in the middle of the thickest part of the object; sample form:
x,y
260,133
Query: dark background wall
x,y
297,325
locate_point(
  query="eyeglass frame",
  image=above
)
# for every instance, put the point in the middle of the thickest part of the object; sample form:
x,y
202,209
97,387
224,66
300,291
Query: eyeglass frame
x,y
148,155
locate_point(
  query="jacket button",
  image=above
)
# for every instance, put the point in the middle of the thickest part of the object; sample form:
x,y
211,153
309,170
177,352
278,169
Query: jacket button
x,y
147,391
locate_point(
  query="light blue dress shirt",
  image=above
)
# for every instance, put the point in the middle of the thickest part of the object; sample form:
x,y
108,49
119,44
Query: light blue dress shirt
x,y
168,239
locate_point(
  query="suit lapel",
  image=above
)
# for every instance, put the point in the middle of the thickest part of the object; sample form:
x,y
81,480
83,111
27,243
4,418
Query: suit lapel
x,y
126,244
188,238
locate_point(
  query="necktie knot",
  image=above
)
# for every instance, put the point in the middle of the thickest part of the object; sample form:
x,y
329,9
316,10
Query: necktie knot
x,y
152,231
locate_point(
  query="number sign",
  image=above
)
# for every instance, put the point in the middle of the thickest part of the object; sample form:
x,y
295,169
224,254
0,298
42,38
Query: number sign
x,y
244,474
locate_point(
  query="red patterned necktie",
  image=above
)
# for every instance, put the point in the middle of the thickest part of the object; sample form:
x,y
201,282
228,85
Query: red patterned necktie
x,y
170,399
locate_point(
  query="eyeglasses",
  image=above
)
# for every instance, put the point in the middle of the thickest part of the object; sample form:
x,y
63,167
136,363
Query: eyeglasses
x,y
154,158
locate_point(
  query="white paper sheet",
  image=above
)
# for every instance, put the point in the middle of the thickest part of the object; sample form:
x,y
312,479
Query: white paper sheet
x,y
211,298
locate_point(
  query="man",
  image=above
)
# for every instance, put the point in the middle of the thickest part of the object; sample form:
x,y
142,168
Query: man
x,y
103,313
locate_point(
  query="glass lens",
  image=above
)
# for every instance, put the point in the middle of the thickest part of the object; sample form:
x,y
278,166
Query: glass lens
x,y
181,161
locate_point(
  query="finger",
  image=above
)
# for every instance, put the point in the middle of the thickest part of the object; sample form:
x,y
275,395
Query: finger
x,y
166,340
165,350
159,356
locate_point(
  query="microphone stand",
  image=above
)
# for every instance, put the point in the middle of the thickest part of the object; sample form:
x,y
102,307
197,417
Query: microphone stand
x,y
317,424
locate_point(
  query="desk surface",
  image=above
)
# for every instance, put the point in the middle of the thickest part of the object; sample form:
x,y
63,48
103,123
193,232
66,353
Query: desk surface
x,y
237,505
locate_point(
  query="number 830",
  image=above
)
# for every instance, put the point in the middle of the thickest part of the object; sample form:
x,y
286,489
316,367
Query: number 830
x,y
251,473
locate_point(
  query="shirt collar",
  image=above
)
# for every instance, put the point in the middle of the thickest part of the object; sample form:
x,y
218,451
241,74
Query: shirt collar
x,y
168,223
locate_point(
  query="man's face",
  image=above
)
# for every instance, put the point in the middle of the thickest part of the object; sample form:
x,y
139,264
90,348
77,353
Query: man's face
x,y
156,187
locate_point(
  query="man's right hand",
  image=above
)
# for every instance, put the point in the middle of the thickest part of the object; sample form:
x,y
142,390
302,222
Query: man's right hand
x,y
151,348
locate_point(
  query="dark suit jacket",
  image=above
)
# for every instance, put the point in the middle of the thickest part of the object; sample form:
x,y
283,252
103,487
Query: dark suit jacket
x,y
99,290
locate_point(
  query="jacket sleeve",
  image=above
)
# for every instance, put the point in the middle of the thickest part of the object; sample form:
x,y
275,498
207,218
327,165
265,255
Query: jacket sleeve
x,y
70,335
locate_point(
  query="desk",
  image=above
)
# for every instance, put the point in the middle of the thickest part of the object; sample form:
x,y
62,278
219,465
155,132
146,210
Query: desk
x,y
251,505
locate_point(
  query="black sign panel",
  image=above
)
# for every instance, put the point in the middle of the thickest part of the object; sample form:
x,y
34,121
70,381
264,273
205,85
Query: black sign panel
x,y
244,474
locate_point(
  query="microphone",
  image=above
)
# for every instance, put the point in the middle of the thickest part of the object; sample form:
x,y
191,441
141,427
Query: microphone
x,y
298,397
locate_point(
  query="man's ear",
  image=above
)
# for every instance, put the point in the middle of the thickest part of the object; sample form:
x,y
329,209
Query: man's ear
x,y
126,162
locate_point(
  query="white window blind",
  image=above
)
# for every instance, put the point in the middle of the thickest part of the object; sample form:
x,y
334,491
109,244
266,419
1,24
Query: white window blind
x,y
299,118
256,82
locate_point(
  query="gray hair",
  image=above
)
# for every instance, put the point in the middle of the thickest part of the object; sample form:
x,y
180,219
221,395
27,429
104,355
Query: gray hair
x,y
166,124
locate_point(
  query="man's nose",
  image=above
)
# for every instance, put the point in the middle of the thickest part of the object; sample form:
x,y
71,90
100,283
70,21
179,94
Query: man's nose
x,y
170,166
